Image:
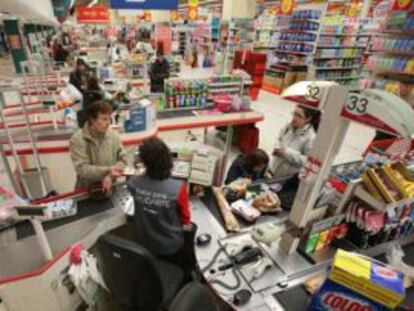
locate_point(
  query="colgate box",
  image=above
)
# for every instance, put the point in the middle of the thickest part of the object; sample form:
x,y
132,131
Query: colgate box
x,y
356,283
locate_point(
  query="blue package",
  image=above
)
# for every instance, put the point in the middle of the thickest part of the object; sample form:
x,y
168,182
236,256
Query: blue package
x,y
333,297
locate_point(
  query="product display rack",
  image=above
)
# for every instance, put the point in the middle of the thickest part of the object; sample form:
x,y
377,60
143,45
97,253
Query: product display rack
x,y
338,55
392,67
240,37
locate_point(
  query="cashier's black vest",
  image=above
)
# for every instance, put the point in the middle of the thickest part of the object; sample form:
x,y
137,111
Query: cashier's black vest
x,y
156,216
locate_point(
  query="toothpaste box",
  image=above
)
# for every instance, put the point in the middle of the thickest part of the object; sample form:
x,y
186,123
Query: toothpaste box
x,y
356,283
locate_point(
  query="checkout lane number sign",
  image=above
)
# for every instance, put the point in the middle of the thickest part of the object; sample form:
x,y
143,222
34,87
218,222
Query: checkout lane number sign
x,y
357,104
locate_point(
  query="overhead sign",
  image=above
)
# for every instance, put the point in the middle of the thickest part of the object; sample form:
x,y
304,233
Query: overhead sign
x,y
192,10
145,4
92,15
286,7
401,5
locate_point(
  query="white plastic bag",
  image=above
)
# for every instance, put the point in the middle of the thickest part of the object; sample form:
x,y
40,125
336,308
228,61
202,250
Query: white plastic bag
x,y
71,93
87,278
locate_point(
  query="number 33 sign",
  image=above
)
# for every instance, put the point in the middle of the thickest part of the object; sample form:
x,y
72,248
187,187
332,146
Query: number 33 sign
x,y
357,104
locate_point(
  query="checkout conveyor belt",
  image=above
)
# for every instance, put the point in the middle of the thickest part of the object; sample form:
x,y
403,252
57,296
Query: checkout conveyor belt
x,y
297,298
85,208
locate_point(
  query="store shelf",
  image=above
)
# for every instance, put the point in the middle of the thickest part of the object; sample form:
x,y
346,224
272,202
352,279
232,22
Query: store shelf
x,y
224,84
365,196
396,53
305,20
343,78
341,47
293,52
288,30
327,34
404,32
338,68
233,89
297,42
336,57
393,72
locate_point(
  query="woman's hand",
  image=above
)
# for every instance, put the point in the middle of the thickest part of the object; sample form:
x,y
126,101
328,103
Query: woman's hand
x,y
106,184
279,152
117,170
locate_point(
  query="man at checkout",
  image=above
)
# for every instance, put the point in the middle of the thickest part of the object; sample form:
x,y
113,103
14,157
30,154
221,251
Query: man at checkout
x,y
96,151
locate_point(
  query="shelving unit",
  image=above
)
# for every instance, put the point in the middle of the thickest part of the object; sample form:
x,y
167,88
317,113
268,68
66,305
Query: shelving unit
x,y
240,36
392,67
338,55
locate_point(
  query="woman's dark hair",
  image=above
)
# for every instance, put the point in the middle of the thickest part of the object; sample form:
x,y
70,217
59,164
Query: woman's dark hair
x,y
80,62
157,158
314,115
101,106
257,157
93,84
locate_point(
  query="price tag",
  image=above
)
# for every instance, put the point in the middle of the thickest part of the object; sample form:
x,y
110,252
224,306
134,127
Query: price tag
x,y
357,104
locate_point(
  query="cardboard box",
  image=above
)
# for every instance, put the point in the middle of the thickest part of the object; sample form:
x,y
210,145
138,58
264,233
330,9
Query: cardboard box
x,y
357,280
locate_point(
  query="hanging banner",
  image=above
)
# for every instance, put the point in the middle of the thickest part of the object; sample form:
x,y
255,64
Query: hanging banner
x,y
401,5
286,7
145,4
147,16
192,10
174,16
92,15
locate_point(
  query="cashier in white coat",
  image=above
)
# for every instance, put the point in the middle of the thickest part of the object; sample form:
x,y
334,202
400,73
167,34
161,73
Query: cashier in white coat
x,y
294,143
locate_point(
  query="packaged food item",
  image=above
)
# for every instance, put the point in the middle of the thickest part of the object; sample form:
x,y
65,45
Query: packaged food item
x,y
356,282
267,202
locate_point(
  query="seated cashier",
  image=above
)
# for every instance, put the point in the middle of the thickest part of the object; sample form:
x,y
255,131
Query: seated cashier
x,y
294,143
253,166
96,151
161,203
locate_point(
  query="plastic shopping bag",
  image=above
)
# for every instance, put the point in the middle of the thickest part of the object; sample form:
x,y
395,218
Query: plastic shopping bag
x,y
71,93
85,275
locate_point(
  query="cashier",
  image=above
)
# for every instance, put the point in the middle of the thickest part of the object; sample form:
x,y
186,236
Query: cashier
x,y
96,151
161,203
294,142
79,77
252,166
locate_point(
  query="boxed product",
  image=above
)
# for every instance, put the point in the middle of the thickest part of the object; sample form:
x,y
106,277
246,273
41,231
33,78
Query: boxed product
x,y
358,283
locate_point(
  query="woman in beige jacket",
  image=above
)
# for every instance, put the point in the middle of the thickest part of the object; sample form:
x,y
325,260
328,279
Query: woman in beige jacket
x,y
96,151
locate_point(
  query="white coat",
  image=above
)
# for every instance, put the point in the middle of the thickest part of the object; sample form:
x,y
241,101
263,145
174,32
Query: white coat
x,y
297,143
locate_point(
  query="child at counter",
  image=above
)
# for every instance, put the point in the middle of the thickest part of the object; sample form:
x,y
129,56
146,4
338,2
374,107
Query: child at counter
x,y
252,166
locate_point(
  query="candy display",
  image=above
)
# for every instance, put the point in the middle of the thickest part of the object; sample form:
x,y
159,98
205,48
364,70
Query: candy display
x,y
369,227
323,233
180,94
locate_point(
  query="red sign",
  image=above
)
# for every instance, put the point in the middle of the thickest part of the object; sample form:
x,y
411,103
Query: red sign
x,y
286,7
401,5
92,15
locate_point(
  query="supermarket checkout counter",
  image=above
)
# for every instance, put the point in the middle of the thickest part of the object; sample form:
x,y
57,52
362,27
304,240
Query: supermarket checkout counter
x,y
276,287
